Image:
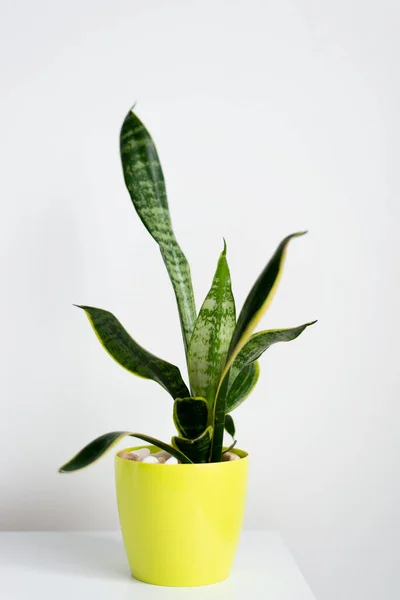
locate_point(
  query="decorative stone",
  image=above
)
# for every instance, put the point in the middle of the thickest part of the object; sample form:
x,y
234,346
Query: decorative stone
x,y
142,452
230,456
171,461
162,456
129,456
150,459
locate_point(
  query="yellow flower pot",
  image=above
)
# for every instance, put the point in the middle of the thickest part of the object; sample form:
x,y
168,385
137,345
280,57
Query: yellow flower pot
x,y
181,523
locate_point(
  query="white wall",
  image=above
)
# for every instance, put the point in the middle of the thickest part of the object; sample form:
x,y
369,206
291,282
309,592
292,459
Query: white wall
x,y
269,117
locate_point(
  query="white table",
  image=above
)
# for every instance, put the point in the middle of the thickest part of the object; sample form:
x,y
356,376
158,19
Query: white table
x,y
86,566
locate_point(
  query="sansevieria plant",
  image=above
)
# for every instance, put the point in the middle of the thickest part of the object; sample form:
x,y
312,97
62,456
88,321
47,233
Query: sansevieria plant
x,y
222,351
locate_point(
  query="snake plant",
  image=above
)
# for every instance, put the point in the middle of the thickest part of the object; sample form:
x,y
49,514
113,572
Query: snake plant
x,y
222,351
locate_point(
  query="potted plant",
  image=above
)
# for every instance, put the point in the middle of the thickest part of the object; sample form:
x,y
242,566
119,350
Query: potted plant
x,y
181,523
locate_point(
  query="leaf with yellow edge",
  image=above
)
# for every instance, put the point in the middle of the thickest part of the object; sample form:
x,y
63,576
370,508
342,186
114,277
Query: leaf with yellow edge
x,y
130,355
258,300
145,182
244,371
242,386
197,450
212,334
95,450
190,416
259,342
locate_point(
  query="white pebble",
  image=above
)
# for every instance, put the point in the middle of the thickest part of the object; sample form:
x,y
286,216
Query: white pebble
x,y
142,452
171,461
150,459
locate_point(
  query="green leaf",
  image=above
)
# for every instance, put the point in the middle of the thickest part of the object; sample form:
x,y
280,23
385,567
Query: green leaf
x,y
212,334
190,416
219,420
259,343
93,451
126,352
230,426
242,386
145,182
229,447
198,450
258,300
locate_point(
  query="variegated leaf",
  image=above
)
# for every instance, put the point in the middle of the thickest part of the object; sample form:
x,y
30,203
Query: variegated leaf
x,y
242,386
130,355
145,182
94,450
197,450
191,416
212,334
245,369
259,343
258,300
230,426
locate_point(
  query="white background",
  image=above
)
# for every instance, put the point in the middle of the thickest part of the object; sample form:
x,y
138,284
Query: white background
x,y
269,117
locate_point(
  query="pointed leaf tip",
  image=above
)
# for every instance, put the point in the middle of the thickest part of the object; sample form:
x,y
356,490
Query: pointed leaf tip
x,y
144,180
224,250
212,334
129,354
95,450
256,303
